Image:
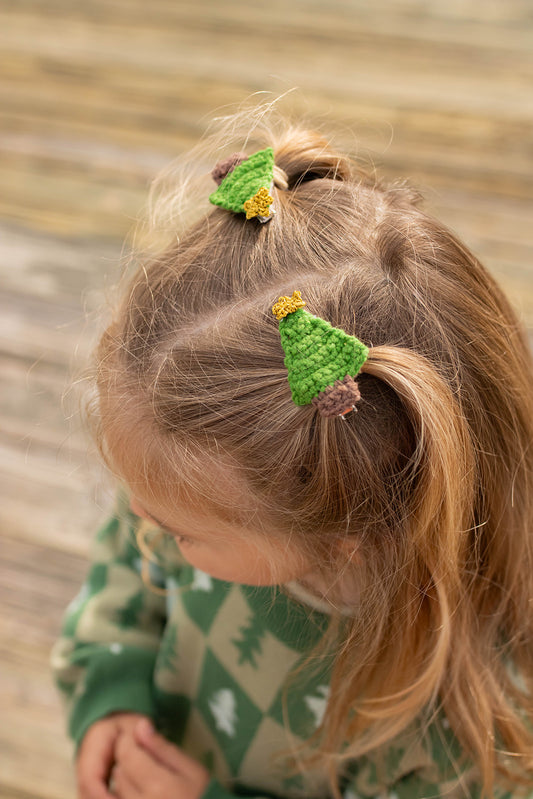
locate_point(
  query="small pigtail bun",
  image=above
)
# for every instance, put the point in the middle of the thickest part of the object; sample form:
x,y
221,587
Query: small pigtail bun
x,y
281,180
305,155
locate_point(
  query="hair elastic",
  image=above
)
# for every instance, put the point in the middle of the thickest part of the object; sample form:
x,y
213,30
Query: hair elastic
x,y
245,184
321,360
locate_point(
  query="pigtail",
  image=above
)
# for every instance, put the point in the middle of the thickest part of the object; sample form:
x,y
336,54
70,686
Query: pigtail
x,y
422,568
457,666
442,464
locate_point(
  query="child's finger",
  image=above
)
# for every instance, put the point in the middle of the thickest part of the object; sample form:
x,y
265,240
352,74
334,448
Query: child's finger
x,y
162,750
138,766
92,787
94,763
123,787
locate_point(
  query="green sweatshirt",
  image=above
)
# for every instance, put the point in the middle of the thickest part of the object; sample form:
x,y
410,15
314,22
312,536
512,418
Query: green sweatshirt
x,y
209,662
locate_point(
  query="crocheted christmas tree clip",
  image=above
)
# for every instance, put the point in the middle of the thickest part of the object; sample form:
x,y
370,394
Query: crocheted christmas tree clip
x,y
321,360
245,184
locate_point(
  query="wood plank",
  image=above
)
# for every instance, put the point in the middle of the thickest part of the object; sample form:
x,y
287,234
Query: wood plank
x,y
36,583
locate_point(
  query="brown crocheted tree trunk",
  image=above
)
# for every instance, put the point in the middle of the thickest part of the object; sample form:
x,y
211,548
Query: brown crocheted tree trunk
x,y
227,165
338,399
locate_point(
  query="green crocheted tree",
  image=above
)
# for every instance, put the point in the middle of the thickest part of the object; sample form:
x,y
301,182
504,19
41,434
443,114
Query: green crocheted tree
x,y
246,188
321,360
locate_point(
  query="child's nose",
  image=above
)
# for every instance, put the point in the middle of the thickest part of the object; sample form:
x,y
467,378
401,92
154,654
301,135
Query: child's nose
x,y
138,509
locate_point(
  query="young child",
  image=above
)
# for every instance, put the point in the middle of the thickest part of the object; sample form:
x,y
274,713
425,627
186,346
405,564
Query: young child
x,y
339,503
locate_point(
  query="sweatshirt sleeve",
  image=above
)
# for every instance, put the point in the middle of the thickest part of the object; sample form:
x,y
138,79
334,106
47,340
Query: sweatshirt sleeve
x,y
104,660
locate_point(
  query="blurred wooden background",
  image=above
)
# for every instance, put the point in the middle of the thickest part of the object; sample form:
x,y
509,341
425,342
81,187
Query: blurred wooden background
x,y
95,97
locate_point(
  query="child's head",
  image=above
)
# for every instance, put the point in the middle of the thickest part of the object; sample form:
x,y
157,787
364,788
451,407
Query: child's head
x,y
422,498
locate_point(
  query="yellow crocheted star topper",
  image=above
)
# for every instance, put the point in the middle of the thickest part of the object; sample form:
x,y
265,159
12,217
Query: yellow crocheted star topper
x,y
258,205
286,305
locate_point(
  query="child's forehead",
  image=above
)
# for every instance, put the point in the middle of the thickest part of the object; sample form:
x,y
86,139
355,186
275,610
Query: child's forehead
x,y
204,522
199,483
215,493
210,494
167,470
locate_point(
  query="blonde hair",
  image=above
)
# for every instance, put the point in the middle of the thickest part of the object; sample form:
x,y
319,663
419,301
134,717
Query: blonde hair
x,y
432,477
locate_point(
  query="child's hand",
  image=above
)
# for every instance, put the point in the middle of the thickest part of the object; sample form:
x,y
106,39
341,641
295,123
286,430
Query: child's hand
x,y
149,767
97,753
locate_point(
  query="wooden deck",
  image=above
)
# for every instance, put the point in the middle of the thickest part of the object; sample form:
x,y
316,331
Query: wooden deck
x,y
94,98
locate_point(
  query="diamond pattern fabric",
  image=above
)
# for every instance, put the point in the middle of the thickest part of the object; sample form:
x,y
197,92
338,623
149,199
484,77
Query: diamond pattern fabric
x,y
210,663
